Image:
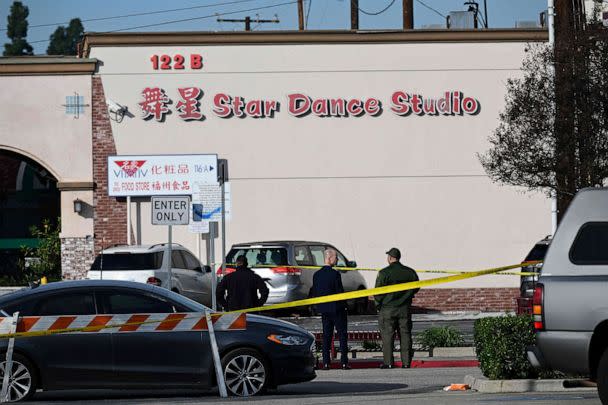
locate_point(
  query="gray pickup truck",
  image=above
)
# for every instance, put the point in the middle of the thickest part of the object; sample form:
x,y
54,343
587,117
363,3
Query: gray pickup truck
x,y
570,303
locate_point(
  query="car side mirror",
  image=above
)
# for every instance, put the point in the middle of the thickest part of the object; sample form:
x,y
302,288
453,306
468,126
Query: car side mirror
x,y
206,269
351,263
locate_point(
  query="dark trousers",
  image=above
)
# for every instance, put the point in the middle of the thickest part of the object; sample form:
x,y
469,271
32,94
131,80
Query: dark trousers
x,y
389,321
339,321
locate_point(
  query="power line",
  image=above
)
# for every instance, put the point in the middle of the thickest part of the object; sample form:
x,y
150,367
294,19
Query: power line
x,y
308,12
377,12
141,14
431,8
189,19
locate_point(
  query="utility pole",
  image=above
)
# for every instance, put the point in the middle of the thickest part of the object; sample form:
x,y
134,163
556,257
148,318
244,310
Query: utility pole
x,y
569,25
354,15
408,14
247,20
551,27
301,15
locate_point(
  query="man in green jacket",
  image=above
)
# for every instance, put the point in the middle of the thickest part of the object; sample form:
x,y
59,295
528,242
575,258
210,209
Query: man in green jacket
x,y
395,309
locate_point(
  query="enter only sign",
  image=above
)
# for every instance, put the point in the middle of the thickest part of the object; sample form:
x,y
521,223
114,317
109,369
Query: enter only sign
x,y
167,210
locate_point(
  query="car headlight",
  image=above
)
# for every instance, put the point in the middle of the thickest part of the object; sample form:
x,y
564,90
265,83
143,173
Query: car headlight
x,y
287,340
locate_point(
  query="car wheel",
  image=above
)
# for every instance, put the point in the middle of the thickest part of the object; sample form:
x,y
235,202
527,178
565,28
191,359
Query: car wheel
x,y
602,378
22,382
245,372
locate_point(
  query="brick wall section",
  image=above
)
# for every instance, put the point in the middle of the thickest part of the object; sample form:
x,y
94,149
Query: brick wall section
x,y
466,299
76,257
110,220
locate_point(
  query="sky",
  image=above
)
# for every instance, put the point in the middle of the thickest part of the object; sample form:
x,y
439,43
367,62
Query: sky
x,y
202,15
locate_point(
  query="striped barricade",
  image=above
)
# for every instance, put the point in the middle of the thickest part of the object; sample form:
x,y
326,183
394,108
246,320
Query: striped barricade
x,y
123,323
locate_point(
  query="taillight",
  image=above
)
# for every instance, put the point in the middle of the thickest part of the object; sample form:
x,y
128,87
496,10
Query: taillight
x,y
154,281
289,271
228,270
537,307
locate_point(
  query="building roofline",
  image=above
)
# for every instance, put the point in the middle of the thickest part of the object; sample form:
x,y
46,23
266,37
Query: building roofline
x,y
46,65
92,39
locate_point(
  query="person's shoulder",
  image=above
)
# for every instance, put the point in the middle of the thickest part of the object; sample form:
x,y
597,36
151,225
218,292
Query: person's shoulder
x,y
407,268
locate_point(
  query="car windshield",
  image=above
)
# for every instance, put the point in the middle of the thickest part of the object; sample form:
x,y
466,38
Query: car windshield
x,y
260,256
128,261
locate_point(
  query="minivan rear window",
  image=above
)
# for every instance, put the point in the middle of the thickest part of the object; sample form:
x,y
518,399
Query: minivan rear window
x,y
128,261
591,244
271,256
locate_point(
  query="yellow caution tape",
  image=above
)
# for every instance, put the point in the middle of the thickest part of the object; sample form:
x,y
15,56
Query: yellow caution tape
x,y
299,303
384,290
378,269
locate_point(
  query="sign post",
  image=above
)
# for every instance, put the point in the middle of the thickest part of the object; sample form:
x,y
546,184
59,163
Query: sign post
x,y
170,210
222,178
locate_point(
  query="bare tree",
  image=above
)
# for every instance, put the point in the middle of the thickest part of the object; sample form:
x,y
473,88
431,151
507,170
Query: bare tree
x,y
553,132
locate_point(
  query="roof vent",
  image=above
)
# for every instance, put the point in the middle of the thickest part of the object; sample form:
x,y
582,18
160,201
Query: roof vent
x,y
461,20
527,24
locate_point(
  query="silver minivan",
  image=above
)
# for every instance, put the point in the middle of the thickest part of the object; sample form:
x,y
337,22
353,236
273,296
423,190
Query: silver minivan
x,y
149,264
277,263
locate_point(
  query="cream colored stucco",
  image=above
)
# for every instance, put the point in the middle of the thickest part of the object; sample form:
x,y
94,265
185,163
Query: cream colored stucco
x,y
364,184
33,123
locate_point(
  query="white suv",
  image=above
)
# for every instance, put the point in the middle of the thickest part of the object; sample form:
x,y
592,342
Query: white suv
x,y
149,264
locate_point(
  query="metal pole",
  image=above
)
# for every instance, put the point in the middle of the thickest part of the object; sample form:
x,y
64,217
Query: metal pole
x,y
551,21
221,384
128,220
223,191
211,258
138,221
551,27
8,366
199,245
170,268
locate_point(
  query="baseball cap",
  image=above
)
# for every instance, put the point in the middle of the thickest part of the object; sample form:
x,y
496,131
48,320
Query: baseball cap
x,y
394,252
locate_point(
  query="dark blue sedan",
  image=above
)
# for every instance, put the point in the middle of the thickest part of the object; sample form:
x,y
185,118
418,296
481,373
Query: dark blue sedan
x,y
268,353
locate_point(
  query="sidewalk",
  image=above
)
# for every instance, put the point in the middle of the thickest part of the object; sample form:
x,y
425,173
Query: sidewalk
x,y
443,357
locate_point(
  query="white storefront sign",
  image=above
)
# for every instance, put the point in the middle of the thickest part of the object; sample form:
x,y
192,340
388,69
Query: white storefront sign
x,y
170,210
130,176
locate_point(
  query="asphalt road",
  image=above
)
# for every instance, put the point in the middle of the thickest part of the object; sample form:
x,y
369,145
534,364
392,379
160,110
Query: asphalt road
x,y
413,386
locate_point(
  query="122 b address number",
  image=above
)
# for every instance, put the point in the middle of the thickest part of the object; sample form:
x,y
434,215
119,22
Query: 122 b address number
x,y
178,62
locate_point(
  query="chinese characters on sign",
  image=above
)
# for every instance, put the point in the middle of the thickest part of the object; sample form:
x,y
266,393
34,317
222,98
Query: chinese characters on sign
x,y
156,103
159,175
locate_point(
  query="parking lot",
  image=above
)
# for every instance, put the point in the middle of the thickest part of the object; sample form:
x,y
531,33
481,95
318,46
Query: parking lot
x,y
414,386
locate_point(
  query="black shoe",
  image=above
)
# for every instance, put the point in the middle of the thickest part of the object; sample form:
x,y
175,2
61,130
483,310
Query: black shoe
x,y
406,366
326,367
345,367
384,366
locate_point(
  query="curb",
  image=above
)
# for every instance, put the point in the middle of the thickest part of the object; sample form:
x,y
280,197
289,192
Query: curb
x,y
482,384
367,364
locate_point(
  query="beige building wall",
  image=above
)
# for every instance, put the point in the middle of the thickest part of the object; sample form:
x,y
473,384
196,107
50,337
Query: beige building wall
x,y
364,184
33,123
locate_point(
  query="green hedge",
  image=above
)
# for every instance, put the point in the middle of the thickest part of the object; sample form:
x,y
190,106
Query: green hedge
x,y
501,346
445,336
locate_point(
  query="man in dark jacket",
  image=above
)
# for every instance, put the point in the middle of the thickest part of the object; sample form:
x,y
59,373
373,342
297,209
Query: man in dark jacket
x,y
395,309
327,281
242,288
